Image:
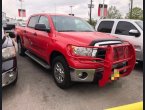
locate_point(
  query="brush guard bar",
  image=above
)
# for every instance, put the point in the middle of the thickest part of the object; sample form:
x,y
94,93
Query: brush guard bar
x,y
115,54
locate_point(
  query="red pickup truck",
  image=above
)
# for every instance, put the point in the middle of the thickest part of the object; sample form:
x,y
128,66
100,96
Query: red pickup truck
x,y
74,51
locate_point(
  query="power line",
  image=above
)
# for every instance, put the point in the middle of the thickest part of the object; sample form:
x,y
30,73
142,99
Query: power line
x,y
103,10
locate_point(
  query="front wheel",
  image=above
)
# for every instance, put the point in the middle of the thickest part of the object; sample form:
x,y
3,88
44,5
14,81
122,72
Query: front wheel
x,y
61,72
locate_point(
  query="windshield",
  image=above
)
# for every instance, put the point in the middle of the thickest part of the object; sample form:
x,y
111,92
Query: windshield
x,y
71,24
140,24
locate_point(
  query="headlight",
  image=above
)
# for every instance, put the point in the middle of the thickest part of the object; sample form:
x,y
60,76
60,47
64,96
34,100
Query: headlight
x,y
8,52
82,51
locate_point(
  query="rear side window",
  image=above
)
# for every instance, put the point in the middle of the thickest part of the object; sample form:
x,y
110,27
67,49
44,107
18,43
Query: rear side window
x,y
33,21
105,26
44,20
124,27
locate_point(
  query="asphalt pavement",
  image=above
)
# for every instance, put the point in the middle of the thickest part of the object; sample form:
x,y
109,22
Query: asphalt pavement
x,y
36,90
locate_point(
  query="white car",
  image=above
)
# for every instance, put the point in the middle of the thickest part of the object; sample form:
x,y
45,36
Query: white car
x,y
125,29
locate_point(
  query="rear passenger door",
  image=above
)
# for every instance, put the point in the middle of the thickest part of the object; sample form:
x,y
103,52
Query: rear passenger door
x,y
105,27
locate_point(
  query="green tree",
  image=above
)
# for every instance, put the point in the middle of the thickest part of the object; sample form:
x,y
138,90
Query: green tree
x,y
137,13
93,22
114,13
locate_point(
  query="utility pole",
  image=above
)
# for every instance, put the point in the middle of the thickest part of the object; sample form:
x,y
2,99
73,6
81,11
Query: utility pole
x,y
21,8
71,9
103,9
71,14
91,12
91,5
131,8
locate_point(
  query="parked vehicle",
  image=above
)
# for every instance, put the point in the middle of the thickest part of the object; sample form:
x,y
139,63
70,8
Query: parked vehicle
x,y
23,24
9,26
73,50
125,29
9,60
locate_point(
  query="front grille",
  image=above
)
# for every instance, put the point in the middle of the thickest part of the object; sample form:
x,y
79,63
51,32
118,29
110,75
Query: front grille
x,y
101,53
118,53
120,65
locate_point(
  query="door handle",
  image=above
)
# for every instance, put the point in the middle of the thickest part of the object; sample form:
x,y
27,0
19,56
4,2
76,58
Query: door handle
x,y
35,34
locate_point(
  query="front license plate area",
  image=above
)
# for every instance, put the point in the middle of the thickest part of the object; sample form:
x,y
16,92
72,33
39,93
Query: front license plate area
x,y
115,75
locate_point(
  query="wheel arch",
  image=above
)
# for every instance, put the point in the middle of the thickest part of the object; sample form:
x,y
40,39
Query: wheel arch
x,y
54,54
18,37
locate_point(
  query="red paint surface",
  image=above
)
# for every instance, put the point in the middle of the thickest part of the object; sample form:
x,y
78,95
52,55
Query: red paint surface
x,y
44,44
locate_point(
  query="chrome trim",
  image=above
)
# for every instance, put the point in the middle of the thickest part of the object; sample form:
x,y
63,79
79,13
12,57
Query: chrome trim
x,y
104,43
74,74
139,55
59,72
8,77
107,42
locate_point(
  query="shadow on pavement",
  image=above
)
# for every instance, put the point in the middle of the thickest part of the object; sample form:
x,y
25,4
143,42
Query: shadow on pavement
x,y
139,67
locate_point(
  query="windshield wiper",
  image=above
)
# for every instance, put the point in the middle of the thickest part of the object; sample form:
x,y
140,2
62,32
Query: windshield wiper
x,y
76,31
87,31
67,31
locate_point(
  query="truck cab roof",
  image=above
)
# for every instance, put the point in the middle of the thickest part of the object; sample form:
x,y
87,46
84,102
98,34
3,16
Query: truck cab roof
x,y
119,20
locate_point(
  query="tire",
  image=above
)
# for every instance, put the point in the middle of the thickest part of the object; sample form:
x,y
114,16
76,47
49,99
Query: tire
x,y
61,72
140,63
21,49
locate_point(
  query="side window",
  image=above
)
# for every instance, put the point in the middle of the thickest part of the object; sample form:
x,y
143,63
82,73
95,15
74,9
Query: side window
x,y
44,20
33,21
124,27
105,26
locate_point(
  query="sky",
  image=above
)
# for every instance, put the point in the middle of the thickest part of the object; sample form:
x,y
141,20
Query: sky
x,y
80,7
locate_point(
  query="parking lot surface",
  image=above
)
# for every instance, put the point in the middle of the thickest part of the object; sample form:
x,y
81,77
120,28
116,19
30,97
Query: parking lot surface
x,y
36,90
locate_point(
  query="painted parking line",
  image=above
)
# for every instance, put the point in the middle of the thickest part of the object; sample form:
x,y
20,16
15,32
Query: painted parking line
x,y
135,106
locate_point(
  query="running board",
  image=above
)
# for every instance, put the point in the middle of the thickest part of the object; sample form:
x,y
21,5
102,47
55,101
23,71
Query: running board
x,y
38,60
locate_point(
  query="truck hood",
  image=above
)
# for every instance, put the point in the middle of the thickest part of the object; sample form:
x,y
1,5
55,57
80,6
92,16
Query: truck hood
x,y
85,38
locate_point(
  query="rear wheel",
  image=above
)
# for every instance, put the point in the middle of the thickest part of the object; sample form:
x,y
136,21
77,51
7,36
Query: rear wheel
x,y
21,49
61,72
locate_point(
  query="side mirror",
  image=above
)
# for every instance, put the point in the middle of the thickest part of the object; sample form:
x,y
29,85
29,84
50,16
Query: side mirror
x,y
42,27
11,34
134,32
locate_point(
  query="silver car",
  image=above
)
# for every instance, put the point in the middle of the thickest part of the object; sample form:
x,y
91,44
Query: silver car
x,y
125,29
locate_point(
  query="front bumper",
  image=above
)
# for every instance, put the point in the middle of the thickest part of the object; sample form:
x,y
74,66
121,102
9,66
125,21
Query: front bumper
x,y
8,77
76,75
90,75
115,54
139,55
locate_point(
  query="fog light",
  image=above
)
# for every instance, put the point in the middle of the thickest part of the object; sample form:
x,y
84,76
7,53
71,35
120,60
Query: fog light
x,y
83,75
